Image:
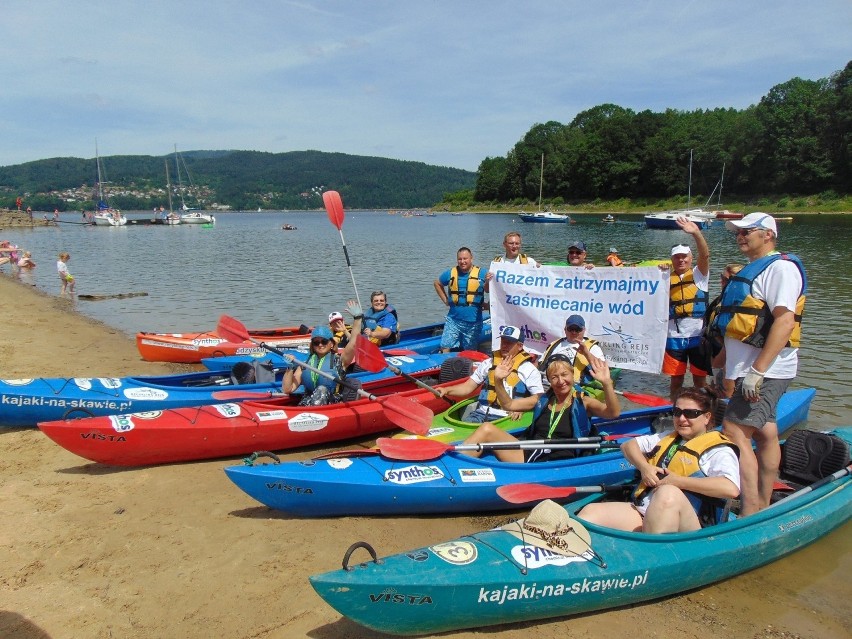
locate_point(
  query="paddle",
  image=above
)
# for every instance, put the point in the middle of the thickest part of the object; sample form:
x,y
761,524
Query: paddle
x,y
334,208
523,493
645,400
369,357
817,484
402,411
422,449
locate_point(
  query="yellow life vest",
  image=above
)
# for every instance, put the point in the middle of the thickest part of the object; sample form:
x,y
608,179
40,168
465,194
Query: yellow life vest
x,y
490,392
685,298
582,368
473,294
742,317
681,457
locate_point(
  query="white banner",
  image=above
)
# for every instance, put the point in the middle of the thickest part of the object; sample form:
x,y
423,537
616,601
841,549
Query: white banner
x,y
626,309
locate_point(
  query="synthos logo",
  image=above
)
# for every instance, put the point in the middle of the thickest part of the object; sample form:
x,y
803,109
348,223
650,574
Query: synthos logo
x,y
392,596
413,474
532,334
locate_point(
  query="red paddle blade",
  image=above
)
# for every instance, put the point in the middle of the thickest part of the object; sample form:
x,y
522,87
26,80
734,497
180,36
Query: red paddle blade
x,y
646,400
368,356
412,449
352,452
523,493
407,414
232,329
334,208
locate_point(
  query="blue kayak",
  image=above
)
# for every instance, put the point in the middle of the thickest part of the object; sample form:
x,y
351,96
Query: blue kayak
x,y
420,339
513,573
25,402
371,484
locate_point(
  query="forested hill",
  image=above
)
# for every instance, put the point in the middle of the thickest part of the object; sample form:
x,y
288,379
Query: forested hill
x,y
240,179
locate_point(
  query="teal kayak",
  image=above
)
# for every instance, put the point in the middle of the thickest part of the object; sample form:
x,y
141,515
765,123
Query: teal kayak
x,y
510,574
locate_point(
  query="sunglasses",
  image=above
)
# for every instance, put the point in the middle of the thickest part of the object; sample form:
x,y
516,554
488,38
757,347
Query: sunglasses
x,y
575,252
747,232
574,329
689,413
320,341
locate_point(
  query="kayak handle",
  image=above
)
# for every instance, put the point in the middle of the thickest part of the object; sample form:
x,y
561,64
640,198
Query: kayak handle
x,y
356,546
249,461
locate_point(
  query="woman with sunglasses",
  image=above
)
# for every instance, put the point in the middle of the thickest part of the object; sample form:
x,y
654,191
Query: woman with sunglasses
x,y
685,474
561,412
320,390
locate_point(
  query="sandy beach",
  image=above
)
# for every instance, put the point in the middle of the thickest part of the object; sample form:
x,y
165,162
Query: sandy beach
x,y
89,551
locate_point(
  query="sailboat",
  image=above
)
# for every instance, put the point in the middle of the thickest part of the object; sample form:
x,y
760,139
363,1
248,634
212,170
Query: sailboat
x,y
189,215
668,219
105,215
543,216
171,218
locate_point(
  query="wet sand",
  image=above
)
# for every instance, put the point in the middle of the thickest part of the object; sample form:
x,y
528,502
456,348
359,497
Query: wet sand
x,y
89,551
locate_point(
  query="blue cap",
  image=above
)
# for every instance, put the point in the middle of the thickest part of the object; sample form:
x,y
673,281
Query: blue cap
x,y
578,245
575,320
322,331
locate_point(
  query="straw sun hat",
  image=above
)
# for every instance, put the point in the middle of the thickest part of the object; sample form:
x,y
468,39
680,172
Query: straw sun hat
x,y
549,526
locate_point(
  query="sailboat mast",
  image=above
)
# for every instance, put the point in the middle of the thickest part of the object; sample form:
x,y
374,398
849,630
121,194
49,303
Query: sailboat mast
x,y
100,179
180,184
689,192
168,185
721,181
540,182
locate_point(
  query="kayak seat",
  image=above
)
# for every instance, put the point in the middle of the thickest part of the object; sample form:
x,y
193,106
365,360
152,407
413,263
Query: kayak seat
x,y
350,394
809,455
256,372
454,368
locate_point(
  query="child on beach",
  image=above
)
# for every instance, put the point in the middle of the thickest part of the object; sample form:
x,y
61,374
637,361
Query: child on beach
x,y
26,261
64,276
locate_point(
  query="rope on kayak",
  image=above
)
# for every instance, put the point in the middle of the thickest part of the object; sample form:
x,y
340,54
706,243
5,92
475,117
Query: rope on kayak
x,y
249,461
356,546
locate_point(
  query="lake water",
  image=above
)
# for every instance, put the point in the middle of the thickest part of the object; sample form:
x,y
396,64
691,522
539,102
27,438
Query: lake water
x,y
248,267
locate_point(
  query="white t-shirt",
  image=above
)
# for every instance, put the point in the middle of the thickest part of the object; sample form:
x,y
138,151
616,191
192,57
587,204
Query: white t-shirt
x,y
778,285
527,372
690,326
517,260
62,269
718,462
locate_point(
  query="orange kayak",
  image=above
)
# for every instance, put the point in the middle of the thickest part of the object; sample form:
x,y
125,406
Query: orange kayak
x,y
190,348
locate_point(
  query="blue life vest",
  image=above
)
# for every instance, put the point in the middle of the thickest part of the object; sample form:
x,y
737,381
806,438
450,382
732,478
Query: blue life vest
x,y
373,317
329,364
742,317
579,417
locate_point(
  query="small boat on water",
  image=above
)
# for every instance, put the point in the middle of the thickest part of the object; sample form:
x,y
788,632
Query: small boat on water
x,y
105,215
563,565
668,219
545,217
289,227
228,429
608,219
197,217
451,482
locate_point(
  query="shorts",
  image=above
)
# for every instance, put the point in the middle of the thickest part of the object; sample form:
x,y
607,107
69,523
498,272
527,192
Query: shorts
x,y
698,357
461,335
756,414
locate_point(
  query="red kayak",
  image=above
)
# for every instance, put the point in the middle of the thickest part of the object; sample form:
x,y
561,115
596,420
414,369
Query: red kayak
x,y
191,348
223,430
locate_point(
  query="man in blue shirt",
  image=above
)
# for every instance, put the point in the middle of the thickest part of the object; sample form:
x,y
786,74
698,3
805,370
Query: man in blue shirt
x,y
462,289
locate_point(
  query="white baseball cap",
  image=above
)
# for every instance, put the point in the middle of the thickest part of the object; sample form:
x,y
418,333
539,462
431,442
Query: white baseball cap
x,y
680,249
334,316
754,221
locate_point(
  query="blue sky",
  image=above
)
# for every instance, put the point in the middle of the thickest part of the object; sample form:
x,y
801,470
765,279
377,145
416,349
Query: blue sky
x,y
446,82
